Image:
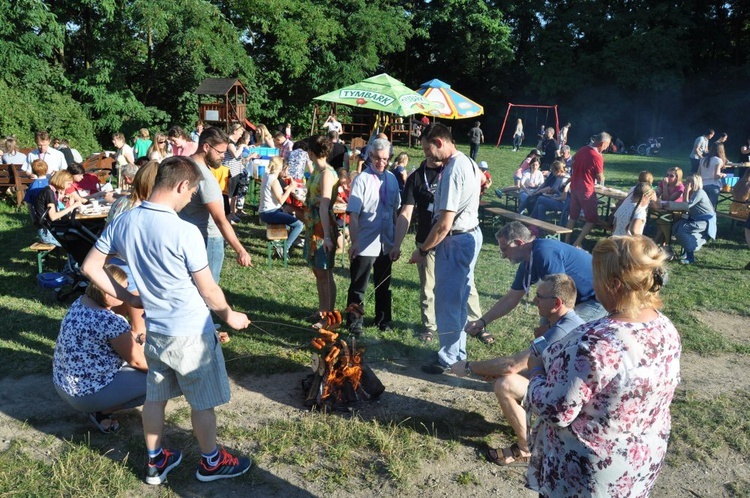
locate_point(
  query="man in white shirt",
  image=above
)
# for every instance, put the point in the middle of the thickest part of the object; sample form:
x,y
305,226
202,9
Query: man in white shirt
x,y
332,124
54,158
700,147
373,206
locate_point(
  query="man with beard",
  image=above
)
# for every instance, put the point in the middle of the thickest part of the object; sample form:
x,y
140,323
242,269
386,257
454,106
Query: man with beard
x,y
206,208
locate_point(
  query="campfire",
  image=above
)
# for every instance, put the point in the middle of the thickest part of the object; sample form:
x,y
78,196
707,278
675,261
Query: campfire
x,y
340,378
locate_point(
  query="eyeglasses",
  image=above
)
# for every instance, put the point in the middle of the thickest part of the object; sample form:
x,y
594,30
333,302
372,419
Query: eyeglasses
x,y
162,141
671,175
539,296
222,152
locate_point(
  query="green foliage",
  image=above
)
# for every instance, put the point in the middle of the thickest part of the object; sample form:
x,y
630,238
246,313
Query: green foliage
x,y
306,48
33,84
466,44
23,111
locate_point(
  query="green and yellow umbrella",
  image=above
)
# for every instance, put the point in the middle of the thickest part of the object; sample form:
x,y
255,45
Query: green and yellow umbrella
x,y
381,93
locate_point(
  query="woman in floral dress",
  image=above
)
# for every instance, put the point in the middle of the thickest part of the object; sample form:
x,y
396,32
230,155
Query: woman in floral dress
x,y
99,366
601,395
320,224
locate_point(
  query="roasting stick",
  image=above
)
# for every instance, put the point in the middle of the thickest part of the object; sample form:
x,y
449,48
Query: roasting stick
x,y
268,277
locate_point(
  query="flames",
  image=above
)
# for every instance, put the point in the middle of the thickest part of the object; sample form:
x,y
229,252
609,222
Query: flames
x,y
338,369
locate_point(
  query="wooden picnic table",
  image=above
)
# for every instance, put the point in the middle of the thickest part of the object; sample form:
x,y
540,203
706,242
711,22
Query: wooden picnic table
x,y
553,230
605,194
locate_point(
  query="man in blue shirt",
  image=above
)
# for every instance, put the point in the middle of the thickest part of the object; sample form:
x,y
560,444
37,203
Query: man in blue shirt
x,y
555,298
177,291
538,258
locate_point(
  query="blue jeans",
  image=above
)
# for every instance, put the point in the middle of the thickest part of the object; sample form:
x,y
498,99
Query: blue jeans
x,y
455,259
523,200
279,217
215,250
544,204
46,237
712,191
590,310
690,234
127,390
473,150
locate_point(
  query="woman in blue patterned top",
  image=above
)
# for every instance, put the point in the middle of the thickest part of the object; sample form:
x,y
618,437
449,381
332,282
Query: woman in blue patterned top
x,y
99,366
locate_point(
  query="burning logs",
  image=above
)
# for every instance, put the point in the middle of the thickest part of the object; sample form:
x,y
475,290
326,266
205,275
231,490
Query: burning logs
x,y
339,376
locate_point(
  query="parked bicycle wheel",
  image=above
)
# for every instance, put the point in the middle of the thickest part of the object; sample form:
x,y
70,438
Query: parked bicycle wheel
x,y
643,150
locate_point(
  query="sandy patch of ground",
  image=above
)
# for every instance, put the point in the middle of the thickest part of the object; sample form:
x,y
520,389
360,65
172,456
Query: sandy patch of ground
x,y
31,409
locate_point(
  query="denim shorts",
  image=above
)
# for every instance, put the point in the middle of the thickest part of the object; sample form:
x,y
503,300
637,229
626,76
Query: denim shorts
x,y
192,366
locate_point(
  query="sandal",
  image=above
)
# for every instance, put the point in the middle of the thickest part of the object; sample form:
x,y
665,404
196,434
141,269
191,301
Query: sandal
x,y
104,422
508,457
426,336
484,336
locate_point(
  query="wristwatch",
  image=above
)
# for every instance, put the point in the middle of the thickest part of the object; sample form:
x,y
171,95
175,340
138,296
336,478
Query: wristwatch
x,y
423,252
139,338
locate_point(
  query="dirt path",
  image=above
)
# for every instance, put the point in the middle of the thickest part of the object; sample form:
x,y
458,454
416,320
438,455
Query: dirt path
x,y
32,411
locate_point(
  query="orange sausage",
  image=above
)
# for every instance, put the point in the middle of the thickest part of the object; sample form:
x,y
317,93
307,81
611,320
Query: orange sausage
x,y
332,354
337,314
328,335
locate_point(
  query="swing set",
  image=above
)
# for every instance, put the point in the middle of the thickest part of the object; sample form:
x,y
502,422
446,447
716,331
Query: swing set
x,y
525,121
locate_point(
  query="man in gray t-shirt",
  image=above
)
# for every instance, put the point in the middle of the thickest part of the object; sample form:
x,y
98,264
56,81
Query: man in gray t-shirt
x,y
476,137
206,208
456,238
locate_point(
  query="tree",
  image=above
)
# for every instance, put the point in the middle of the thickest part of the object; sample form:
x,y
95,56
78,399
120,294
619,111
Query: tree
x,y
33,85
304,48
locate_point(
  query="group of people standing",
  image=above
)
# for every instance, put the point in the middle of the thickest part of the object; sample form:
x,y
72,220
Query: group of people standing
x,y
601,340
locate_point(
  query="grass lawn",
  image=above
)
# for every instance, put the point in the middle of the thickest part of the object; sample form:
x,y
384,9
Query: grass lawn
x,y
277,299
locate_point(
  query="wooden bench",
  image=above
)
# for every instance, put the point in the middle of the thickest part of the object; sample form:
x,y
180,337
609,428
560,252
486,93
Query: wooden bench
x,y
22,180
554,231
509,194
6,179
276,236
732,217
42,250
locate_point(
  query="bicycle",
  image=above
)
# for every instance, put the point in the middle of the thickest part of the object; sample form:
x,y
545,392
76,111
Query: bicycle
x,y
651,148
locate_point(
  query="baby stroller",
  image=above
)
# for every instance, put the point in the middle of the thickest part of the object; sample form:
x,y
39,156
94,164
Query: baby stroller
x,y
77,241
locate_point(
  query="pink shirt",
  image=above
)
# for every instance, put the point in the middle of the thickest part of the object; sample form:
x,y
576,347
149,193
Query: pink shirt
x,y
188,149
675,193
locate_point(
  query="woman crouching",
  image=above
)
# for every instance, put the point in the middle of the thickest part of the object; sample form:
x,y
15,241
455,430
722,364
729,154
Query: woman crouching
x,y
99,366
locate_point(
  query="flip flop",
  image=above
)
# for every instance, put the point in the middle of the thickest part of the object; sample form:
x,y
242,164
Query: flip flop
x,y
484,336
500,457
98,417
